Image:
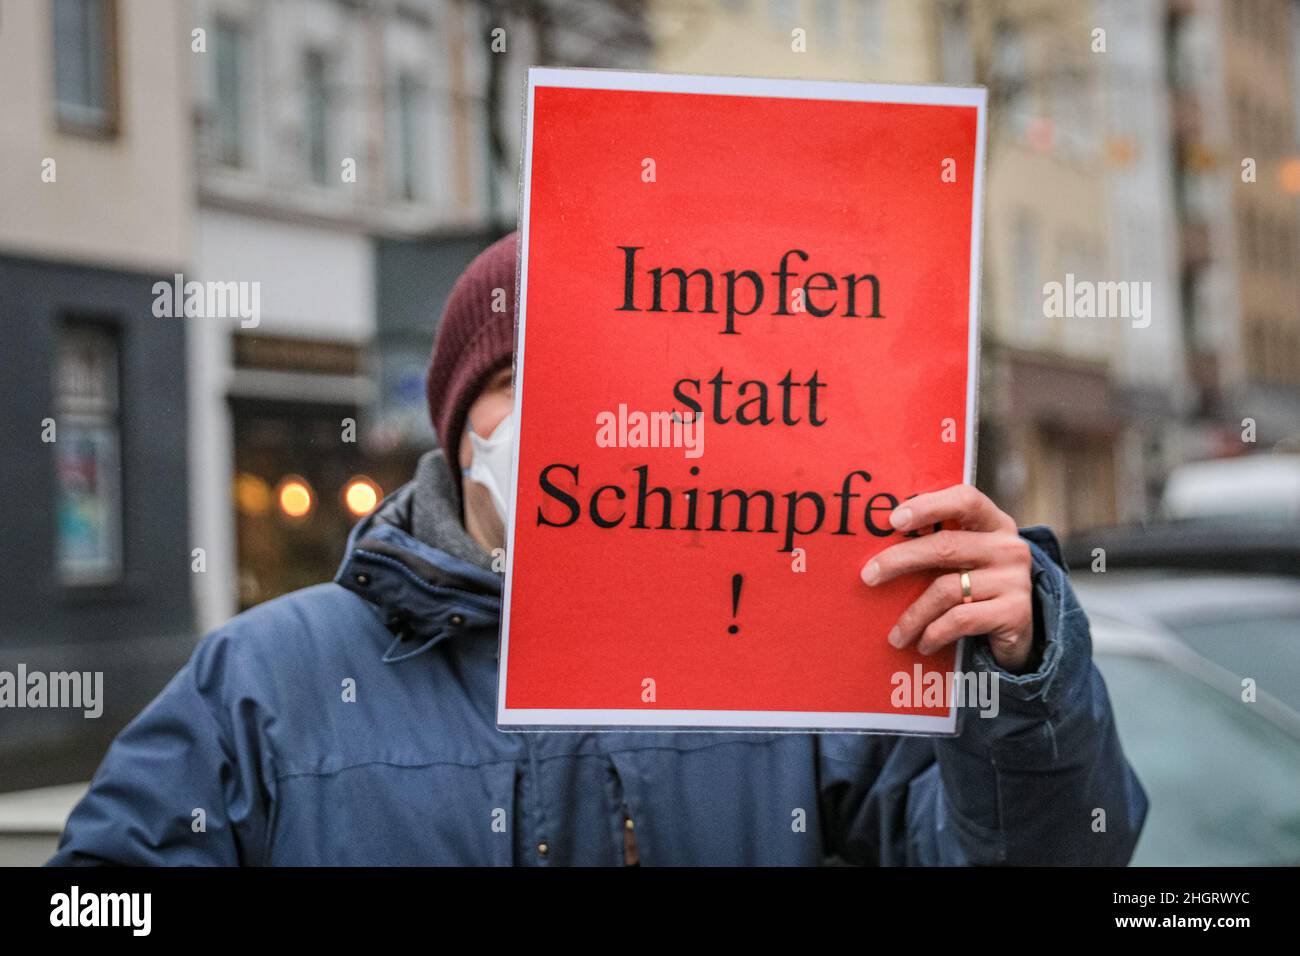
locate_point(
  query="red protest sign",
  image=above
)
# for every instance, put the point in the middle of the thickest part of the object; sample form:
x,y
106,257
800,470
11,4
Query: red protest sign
x,y
746,332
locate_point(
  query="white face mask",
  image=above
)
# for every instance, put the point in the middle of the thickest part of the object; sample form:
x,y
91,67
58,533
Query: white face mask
x,y
490,462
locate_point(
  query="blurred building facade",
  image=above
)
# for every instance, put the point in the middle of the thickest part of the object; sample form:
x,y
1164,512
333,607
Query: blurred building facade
x,y
95,193
1114,135
1149,356
329,137
1235,76
229,229
869,40
1051,423
352,158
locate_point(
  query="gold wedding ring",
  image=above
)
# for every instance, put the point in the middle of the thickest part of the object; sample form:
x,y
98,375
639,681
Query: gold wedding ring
x,y
965,588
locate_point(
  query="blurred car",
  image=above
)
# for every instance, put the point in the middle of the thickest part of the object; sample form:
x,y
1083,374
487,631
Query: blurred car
x,y
1178,651
1249,544
1257,486
31,821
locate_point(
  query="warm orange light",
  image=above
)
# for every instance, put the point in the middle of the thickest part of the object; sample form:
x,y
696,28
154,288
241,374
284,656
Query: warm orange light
x,y
1289,174
252,495
361,496
295,497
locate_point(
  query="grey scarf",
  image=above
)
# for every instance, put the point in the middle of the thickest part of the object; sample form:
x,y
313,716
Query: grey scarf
x,y
436,514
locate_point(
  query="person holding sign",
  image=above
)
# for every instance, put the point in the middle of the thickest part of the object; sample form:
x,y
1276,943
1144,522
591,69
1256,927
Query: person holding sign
x,y
353,722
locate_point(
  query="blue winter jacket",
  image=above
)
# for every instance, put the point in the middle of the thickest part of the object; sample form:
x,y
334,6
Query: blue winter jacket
x,y
254,755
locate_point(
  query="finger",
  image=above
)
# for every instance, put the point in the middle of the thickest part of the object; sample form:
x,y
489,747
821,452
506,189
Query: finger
x,y
964,504
948,550
945,593
965,620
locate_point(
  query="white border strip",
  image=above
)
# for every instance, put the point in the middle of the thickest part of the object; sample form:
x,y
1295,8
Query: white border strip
x,y
913,94
655,718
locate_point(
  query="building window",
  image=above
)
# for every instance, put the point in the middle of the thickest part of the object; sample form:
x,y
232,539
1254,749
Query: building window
x,y
782,13
1071,105
231,63
828,22
870,27
1241,117
85,66
405,154
1295,77
1009,84
87,445
1028,290
955,52
315,69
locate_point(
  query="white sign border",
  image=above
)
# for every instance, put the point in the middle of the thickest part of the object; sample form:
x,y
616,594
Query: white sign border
x,y
653,718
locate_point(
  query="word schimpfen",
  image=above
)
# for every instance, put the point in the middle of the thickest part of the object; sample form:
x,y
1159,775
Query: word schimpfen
x,y
798,512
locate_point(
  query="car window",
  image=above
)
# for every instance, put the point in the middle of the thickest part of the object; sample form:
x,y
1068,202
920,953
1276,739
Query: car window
x,y
1224,783
1266,649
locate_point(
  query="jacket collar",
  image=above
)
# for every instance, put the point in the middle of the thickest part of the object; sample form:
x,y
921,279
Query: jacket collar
x,y
423,593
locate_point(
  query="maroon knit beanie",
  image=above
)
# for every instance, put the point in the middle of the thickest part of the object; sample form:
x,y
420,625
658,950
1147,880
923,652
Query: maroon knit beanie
x,y
473,341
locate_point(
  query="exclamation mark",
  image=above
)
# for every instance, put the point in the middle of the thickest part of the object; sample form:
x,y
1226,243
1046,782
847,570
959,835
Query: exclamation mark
x,y
736,581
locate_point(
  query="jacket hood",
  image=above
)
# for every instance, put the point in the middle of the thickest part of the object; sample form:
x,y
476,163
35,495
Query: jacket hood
x,y
414,562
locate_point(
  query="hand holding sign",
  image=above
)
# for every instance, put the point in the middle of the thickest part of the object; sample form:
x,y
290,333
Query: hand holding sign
x,y
996,560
